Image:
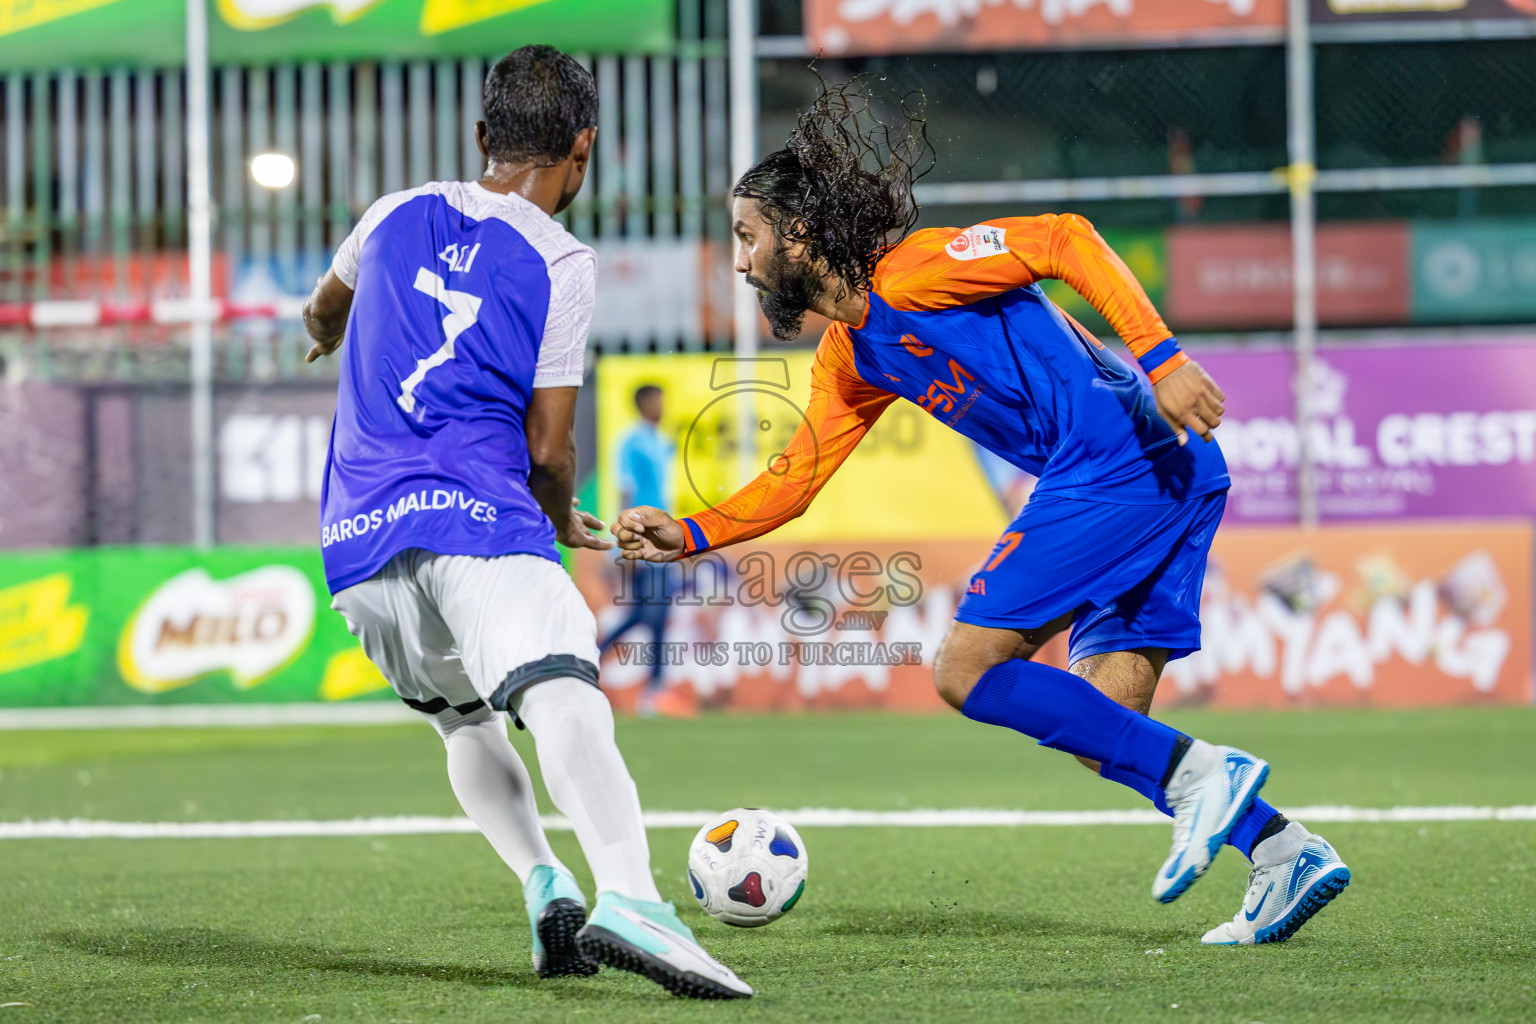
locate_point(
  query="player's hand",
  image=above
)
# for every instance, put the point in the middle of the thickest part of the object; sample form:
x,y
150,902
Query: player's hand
x,y
648,534
1189,400
325,315
581,530
321,348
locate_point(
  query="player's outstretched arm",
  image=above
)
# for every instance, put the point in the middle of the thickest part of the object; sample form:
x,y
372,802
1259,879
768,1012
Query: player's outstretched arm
x,y
550,428
325,315
841,409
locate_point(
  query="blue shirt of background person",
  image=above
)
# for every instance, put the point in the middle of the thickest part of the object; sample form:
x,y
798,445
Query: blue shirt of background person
x,y
645,455
645,471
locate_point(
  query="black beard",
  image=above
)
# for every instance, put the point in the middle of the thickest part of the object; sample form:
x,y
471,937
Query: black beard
x,y
790,292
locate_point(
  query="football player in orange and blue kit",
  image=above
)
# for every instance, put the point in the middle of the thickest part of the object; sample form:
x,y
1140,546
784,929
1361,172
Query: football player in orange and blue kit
x,y
1113,541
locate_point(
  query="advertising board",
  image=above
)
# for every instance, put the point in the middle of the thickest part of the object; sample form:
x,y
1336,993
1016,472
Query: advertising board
x,y
152,33
1373,616
837,27
140,625
1239,275
1381,616
1402,431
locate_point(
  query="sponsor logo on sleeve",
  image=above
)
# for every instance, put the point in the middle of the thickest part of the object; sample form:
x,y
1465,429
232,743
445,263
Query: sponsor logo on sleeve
x,y
978,242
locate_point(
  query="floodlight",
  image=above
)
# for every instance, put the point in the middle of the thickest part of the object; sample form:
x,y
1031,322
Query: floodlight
x,y
272,170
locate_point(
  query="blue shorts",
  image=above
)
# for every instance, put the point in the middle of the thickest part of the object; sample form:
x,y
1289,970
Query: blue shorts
x,y
1131,573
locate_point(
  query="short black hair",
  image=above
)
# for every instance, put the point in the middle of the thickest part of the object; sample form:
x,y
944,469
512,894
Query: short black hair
x,y
645,391
537,100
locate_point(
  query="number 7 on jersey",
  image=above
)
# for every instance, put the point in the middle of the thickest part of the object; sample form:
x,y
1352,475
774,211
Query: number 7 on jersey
x,y
463,312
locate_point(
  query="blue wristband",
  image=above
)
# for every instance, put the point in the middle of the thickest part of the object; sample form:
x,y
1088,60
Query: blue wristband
x,y
1160,354
700,542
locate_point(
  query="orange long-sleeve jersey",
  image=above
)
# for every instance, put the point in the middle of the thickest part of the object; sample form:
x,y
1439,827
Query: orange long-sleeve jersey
x,y
958,325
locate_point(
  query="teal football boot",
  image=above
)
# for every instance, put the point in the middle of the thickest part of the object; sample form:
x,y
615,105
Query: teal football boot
x,y
556,912
647,939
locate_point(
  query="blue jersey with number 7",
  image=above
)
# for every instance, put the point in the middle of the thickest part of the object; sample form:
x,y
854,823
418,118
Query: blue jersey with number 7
x,y
465,301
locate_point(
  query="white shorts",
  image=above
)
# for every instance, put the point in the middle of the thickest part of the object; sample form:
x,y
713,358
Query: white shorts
x,y
461,632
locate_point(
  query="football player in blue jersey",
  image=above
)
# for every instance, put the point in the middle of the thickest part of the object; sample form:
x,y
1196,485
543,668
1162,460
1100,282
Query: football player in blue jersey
x,y
460,311
1112,544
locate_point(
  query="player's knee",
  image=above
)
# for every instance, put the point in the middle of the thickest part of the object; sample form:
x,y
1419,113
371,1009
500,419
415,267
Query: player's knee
x,y
567,705
451,723
966,655
1129,678
955,675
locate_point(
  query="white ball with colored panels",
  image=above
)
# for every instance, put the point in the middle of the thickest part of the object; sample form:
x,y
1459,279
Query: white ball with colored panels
x,y
747,867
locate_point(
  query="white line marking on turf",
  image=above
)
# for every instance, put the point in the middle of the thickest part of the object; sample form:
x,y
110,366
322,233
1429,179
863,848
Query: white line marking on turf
x,y
201,716
809,817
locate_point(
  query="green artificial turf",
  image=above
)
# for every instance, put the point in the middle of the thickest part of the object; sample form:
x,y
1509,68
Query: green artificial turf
x,y
946,924
869,761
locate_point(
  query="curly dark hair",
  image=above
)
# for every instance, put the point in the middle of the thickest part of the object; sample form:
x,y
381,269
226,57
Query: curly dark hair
x,y
842,184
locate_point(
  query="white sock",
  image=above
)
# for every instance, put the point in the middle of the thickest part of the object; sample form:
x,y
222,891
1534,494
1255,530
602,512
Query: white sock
x,y
495,791
572,727
1282,846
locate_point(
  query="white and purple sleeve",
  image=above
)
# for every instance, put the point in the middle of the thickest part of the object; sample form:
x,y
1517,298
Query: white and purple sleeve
x,y
572,296
350,255
344,265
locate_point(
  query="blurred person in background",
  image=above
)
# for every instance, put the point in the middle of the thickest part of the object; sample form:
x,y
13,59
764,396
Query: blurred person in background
x,y
644,460
1113,541
464,309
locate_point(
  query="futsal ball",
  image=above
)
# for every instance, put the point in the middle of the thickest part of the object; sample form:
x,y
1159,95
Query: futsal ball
x,y
747,867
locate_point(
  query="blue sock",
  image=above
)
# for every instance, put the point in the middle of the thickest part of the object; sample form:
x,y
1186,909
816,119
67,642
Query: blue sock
x,y
1140,785
1245,834
1066,713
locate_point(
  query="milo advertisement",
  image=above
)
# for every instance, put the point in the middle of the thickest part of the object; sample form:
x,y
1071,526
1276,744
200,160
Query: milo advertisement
x,y
174,625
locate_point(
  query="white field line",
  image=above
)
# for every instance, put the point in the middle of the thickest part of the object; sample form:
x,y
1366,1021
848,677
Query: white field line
x,y
163,716
810,817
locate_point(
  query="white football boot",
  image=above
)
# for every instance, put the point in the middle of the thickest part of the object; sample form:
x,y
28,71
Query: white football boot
x,y
1295,874
647,939
1211,788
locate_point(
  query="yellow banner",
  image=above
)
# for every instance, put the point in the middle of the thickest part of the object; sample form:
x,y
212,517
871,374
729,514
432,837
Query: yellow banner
x,y
16,15
37,622
911,477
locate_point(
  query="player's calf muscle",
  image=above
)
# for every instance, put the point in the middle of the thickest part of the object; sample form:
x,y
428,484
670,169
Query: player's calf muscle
x,y
1128,678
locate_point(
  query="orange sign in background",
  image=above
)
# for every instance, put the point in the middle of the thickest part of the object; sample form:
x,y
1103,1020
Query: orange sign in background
x,y
1380,616
860,629
836,27
1362,615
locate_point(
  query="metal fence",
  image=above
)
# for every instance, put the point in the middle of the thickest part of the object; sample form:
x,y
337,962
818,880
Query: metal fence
x,y
93,177
94,192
